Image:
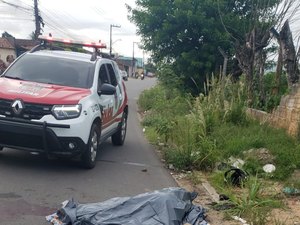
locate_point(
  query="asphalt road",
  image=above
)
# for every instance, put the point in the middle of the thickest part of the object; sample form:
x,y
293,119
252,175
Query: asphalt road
x,y
32,186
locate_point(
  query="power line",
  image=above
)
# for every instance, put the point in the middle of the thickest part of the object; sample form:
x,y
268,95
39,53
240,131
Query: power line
x,y
26,4
51,22
51,15
11,18
55,28
14,5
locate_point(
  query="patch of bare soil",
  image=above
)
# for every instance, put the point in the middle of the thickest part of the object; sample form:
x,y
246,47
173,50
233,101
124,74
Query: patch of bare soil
x,y
205,199
207,196
290,215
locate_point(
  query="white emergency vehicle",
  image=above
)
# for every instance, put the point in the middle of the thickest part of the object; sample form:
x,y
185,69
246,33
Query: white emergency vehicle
x,y
62,102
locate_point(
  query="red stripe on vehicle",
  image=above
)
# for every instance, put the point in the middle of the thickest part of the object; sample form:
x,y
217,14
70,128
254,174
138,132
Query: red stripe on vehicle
x,y
119,112
41,93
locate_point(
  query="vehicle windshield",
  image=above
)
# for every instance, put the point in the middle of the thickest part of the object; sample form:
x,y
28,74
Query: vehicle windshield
x,y
52,70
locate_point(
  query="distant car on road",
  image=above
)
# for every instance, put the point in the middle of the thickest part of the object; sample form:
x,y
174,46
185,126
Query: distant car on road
x,y
124,74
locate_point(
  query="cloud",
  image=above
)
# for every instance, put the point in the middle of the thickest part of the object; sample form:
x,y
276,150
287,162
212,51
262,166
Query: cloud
x,y
80,19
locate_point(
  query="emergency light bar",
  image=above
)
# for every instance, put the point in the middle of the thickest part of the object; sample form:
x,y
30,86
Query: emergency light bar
x,y
49,39
71,42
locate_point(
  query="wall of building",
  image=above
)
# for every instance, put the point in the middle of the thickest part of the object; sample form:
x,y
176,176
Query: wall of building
x,y
286,115
5,52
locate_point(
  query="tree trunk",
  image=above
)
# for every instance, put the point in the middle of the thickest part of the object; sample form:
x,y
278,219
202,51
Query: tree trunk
x,y
261,71
225,62
248,53
275,90
289,54
246,62
245,56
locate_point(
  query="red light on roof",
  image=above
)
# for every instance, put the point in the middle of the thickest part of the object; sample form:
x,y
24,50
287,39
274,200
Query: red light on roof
x,y
101,45
94,45
67,41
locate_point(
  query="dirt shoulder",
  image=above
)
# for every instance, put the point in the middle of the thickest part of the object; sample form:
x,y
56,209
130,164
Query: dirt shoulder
x,y
207,196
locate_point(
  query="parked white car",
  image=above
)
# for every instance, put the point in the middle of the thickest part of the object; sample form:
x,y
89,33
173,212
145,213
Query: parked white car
x,y
124,74
62,103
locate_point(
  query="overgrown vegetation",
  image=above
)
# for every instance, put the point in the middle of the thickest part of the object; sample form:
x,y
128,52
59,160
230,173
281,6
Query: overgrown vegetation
x,y
199,132
273,94
254,201
203,132
186,36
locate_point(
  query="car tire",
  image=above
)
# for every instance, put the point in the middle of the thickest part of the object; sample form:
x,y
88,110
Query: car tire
x,y
118,138
88,158
1,148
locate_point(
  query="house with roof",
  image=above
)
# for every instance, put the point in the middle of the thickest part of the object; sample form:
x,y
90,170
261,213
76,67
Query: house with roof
x,y
7,51
129,65
23,45
11,48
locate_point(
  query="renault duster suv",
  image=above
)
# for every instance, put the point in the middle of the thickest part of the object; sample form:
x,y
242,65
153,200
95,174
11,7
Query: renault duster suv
x,y
62,103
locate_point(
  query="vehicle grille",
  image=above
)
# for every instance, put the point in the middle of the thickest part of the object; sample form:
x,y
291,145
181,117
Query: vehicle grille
x,y
30,112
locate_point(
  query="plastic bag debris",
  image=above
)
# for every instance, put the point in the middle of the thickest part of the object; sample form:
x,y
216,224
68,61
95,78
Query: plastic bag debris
x,y
172,206
244,222
269,168
235,176
291,191
236,163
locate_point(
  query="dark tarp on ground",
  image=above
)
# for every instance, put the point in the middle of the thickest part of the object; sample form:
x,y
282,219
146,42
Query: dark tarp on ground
x,y
169,206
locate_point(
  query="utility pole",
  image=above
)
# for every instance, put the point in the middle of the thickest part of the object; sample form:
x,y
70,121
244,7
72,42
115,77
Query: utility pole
x,y
133,60
132,70
110,37
37,20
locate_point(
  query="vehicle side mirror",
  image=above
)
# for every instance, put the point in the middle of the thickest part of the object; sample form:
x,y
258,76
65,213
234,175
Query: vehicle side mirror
x,y
107,89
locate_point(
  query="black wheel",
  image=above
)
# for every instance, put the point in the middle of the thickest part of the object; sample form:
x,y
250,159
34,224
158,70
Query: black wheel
x,y
118,138
89,156
1,148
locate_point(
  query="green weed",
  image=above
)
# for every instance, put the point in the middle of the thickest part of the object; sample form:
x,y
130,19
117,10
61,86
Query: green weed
x,y
251,202
211,128
152,135
201,132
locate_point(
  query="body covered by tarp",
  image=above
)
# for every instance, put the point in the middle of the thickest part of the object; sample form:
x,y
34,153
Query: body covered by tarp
x,y
169,206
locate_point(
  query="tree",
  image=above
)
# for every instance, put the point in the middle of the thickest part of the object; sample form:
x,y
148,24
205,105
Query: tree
x,y
287,56
189,34
248,22
150,66
32,36
185,34
7,35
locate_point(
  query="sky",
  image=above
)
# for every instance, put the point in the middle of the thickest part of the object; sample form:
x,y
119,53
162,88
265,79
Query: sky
x,y
82,20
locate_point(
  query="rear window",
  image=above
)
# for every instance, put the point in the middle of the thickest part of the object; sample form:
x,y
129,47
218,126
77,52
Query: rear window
x,y
52,70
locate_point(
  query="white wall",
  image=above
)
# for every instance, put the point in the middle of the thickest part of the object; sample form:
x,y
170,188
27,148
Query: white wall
x,y
5,52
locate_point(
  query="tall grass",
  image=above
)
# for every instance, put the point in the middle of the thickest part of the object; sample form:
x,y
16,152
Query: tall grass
x,y
252,203
201,131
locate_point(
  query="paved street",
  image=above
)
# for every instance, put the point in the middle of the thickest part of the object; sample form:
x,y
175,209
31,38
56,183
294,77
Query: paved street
x,y
32,187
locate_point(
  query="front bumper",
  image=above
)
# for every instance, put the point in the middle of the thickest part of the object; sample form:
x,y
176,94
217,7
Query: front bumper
x,y
37,136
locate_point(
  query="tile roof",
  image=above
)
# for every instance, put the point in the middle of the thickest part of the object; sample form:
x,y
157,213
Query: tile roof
x,y
26,44
4,43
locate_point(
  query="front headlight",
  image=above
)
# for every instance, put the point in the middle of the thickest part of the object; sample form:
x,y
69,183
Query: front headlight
x,y
62,112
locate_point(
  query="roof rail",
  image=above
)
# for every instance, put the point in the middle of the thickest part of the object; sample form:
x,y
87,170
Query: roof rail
x,y
47,42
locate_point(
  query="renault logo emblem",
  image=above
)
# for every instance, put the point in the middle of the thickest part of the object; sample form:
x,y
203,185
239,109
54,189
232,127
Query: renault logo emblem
x,y
17,106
